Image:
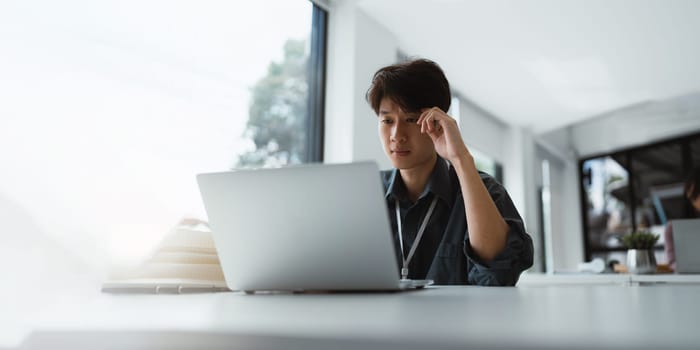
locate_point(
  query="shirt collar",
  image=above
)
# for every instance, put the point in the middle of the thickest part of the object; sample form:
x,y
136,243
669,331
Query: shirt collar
x,y
438,183
396,188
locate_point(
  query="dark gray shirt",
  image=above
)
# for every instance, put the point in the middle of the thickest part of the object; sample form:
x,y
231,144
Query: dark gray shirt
x,y
444,253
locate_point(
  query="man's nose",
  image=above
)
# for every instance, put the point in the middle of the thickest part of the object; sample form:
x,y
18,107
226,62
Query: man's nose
x,y
398,133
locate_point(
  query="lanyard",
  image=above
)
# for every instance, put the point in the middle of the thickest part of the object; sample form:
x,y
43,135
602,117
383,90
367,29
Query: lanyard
x,y
407,260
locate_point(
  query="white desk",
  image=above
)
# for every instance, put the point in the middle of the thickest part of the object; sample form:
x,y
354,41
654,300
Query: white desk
x,y
527,317
539,279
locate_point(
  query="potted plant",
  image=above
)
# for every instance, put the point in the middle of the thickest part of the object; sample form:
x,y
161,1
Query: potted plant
x,y
640,252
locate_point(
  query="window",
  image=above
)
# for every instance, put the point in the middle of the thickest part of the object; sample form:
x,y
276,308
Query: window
x,y
487,164
454,110
605,183
633,190
110,109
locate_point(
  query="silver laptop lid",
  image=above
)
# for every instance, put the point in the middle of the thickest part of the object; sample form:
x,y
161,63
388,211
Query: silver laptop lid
x,y
686,242
309,227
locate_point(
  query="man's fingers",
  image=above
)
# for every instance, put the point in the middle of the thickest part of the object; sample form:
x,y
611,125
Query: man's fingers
x,y
429,120
424,116
433,122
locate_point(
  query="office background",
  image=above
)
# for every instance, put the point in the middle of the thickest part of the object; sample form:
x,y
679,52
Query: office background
x,y
109,109
542,85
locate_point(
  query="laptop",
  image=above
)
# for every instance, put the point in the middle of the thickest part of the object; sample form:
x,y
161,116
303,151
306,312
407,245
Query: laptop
x,y
303,228
686,241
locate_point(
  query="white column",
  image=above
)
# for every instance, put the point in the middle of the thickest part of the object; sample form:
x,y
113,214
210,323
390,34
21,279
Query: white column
x,y
340,73
357,47
522,177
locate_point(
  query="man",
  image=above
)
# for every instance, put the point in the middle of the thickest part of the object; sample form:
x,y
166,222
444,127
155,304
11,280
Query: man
x,y
451,223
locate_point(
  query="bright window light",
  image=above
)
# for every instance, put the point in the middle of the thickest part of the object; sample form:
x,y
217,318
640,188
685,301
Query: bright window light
x,y
110,108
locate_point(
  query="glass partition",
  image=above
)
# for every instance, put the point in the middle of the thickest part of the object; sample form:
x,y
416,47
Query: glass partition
x,y
639,189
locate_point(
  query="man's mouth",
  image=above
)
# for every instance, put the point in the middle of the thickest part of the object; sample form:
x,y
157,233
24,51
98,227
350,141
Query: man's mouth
x,y
401,152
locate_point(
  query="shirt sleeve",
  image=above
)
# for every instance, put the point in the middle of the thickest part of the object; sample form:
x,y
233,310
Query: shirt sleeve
x,y
516,256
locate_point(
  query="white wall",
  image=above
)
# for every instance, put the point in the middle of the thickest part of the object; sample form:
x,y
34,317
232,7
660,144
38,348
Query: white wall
x,y
357,47
481,130
637,125
565,240
340,83
522,177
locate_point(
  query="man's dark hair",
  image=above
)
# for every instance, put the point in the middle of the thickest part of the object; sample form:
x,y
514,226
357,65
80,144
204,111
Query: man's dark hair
x,y
692,182
413,85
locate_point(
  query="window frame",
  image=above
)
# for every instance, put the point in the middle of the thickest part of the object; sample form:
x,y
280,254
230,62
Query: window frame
x,y
684,141
315,122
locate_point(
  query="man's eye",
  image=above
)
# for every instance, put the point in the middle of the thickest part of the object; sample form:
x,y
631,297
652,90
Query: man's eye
x,y
412,120
386,121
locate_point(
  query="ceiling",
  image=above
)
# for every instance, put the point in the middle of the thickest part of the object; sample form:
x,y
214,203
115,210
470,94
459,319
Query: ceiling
x,y
545,64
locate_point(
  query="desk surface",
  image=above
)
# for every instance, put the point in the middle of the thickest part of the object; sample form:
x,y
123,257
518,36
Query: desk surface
x,y
530,317
531,279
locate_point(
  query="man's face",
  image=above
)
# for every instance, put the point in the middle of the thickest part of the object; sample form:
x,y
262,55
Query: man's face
x,y
403,142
